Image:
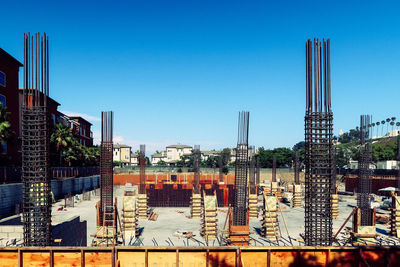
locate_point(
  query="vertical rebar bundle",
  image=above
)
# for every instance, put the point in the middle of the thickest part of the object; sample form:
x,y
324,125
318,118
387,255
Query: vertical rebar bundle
x,y
398,160
35,142
241,166
274,168
252,181
106,169
257,171
142,163
318,145
364,186
296,169
196,168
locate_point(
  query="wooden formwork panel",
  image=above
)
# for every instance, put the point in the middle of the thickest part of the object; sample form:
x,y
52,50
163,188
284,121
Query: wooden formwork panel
x,y
65,259
283,258
195,259
98,259
35,259
254,258
222,258
132,258
161,259
312,258
8,259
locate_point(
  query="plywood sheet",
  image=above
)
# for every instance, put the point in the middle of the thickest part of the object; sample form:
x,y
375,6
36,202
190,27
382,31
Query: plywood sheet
x,y
195,259
162,259
253,259
98,259
221,258
8,259
132,258
36,259
66,259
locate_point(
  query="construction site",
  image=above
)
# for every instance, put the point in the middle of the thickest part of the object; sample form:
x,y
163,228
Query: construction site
x,y
246,218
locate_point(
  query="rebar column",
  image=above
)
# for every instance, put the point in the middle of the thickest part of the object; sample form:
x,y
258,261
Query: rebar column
x,y
196,168
257,171
398,159
142,163
252,181
296,169
364,182
274,168
241,166
106,169
318,145
36,186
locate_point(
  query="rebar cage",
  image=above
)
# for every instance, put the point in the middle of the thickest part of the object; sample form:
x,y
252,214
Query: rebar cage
x,y
241,168
36,200
318,145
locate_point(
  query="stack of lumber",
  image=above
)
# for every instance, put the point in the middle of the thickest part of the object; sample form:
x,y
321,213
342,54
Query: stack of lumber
x,y
335,206
296,201
270,218
129,217
195,206
209,218
142,206
253,206
395,217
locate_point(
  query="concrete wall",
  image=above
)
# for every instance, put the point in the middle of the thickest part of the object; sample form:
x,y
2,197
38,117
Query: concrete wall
x,y
11,194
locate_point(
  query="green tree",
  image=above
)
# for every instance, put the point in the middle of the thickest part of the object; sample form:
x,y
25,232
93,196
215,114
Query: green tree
x,y
61,139
161,163
6,133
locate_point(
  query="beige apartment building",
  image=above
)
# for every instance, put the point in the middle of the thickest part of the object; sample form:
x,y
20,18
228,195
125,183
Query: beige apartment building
x,y
122,153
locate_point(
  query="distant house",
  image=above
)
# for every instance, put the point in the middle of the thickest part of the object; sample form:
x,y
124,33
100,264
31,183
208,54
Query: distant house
x,y
122,153
9,69
82,130
134,159
175,152
157,157
387,165
206,154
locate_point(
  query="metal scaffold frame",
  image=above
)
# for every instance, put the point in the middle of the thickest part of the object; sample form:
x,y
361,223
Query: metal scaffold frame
x,y
364,172
318,144
241,168
36,186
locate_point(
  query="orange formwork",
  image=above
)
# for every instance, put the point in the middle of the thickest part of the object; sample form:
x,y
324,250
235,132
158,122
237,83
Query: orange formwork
x,y
180,178
201,256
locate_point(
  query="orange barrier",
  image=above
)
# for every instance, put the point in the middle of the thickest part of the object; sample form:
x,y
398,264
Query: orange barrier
x,y
200,256
122,179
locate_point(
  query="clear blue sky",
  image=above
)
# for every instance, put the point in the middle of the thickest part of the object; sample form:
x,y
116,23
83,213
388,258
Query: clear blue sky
x,y
179,71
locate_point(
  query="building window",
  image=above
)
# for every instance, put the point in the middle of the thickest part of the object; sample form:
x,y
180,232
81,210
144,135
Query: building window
x,y
2,79
3,100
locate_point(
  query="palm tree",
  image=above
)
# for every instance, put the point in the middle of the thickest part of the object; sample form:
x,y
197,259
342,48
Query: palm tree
x,y
387,125
383,123
61,138
377,128
6,132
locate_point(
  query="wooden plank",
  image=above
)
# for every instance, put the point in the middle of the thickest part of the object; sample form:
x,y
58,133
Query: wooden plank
x,y
222,258
254,258
195,259
98,259
65,259
164,259
9,259
313,258
283,258
35,258
132,258
343,258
